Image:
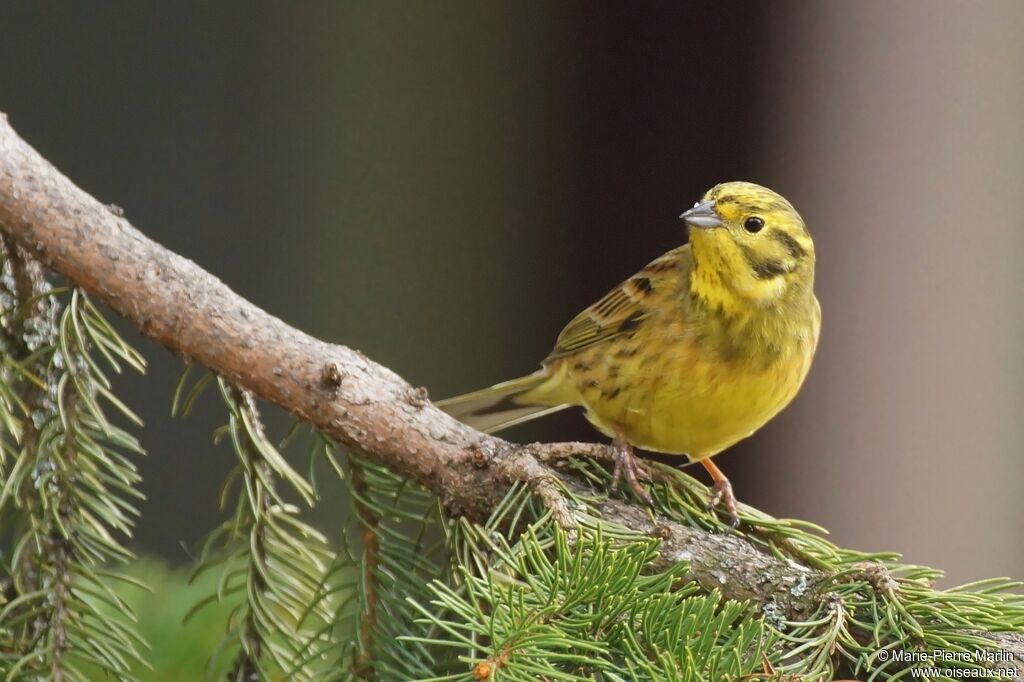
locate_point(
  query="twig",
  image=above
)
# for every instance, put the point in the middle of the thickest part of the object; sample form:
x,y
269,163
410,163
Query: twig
x,y
370,565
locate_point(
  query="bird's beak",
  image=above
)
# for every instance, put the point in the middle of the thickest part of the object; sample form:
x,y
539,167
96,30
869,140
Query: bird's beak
x,y
703,215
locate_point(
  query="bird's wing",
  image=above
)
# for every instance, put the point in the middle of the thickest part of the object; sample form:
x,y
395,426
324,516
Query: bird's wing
x,y
626,306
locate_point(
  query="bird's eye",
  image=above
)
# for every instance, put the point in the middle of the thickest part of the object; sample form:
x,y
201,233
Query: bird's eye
x,y
753,224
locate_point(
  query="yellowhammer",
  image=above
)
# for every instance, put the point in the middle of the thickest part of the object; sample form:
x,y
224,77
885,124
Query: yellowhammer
x,y
694,352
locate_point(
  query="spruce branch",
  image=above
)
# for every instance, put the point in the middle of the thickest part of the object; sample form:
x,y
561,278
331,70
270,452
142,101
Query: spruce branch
x,y
66,488
391,549
818,597
548,606
268,559
369,568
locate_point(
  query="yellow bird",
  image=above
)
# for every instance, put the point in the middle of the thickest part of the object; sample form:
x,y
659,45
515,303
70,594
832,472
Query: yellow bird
x,y
693,353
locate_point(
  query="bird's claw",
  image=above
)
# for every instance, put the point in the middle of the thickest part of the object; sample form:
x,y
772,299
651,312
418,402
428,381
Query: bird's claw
x,y
626,463
721,494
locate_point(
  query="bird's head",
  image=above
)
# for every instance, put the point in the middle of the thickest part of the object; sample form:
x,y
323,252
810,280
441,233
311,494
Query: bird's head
x,y
752,241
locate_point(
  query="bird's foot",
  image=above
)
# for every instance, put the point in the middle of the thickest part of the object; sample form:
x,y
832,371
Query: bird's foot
x,y
626,463
721,494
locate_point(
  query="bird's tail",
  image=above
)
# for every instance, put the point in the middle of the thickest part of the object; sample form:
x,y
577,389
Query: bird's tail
x,y
503,405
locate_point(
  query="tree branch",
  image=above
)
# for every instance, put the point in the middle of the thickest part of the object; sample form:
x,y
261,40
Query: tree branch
x,y
338,390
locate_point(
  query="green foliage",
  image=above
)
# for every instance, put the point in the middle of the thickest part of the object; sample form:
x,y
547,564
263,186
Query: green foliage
x,y
523,600
391,548
539,607
873,601
893,606
67,488
266,553
551,609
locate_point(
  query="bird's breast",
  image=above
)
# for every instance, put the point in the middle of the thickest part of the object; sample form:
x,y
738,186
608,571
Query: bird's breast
x,y
673,390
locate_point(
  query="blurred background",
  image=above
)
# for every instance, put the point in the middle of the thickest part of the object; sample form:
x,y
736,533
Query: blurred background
x,y
443,185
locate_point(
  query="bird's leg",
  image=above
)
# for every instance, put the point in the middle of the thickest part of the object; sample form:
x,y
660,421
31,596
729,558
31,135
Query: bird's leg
x,y
626,462
721,492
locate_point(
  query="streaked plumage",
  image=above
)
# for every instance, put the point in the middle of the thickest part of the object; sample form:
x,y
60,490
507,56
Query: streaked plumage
x,y
694,352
